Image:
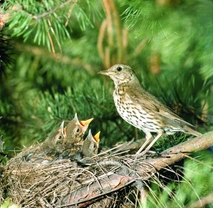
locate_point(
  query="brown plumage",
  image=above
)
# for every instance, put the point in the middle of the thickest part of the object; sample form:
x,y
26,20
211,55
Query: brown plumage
x,y
61,143
91,144
141,109
75,130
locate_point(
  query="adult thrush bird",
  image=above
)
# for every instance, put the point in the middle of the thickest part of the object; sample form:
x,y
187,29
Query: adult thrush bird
x,y
91,144
141,109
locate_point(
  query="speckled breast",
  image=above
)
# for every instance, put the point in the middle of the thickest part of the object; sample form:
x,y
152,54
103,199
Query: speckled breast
x,y
134,114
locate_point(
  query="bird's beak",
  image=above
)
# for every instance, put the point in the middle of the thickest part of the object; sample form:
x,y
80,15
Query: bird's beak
x,y
89,134
62,128
76,117
106,72
62,125
96,137
86,123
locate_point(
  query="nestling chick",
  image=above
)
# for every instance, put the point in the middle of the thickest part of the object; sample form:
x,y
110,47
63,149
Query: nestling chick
x,y
91,144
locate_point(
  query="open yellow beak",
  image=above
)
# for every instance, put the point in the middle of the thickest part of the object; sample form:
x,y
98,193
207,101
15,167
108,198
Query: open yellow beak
x,y
97,137
86,123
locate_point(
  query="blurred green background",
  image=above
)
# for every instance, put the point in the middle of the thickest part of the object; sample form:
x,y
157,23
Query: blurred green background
x,y
49,66
51,51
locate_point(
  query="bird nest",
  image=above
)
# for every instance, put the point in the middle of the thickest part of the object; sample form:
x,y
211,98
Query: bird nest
x,y
109,179
104,179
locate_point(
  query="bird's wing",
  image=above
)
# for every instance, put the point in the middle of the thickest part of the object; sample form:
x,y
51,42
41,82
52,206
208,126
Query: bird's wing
x,y
145,100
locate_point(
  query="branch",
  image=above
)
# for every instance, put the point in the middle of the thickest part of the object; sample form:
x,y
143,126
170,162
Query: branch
x,y
57,57
64,183
203,201
108,183
53,10
180,151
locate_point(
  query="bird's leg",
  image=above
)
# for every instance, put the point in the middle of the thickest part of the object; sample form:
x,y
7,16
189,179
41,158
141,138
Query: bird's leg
x,y
148,138
152,143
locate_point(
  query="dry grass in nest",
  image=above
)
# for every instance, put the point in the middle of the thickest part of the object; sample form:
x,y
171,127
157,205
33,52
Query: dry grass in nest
x,y
64,182
110,179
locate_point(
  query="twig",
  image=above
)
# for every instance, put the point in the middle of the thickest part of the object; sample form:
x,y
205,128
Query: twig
x,y
57,57
53,32
50,11
140,47
101,38
146,168
73,185
181,151
203,201
117,29
70,12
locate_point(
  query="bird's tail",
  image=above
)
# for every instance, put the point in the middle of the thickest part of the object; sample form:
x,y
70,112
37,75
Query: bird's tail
x,y
189,130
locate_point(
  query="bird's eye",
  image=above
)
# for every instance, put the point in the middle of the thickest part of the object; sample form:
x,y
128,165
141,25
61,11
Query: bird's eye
x,y
60,137
119,68
77,130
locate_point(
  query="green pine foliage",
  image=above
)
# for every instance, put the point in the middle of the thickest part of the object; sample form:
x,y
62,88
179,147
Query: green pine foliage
x,y
57,54
45,22
171,33
192,188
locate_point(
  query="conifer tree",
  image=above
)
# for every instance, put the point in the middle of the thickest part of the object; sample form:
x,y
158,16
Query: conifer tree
x,y
59,46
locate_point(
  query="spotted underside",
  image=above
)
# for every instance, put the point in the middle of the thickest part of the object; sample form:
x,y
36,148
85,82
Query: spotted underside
x,y
139,116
